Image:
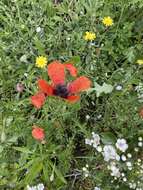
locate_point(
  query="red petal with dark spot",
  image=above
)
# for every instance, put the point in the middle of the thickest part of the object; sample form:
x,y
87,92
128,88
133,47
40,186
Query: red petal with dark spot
x,y
38,100
56,72
71,69
80,84
45,87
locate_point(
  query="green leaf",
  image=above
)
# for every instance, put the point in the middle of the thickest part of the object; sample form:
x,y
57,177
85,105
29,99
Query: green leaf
x,y
108,138
130,54
23,149
58,173
34,171
74,59
1,148
40,46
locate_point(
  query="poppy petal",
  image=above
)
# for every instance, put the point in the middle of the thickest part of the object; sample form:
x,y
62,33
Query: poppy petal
x,y
73,99
45,87
38,100
80,84
71,69
56,72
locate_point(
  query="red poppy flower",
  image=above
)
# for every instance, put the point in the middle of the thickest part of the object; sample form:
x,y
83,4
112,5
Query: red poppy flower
x,y
38,133
59,87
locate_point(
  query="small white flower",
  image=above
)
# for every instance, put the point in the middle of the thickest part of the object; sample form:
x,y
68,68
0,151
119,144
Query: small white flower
x,y
130,168
84,169
140,144
139,160
140,138
96,140
86,175
123,157
88,141
99,148
87,117
23,58
115,171
109,153
129,164
132,185
136,149
99,116
38,29
119,87
124,179
123,175
25,74
40,187
129,155
121,144
97,188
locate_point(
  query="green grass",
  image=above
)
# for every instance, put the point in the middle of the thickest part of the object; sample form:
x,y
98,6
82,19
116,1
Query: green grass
x,y
111,59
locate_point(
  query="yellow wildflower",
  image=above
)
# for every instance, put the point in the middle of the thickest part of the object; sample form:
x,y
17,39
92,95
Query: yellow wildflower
x,y
107,21
89,36
140,61
41,61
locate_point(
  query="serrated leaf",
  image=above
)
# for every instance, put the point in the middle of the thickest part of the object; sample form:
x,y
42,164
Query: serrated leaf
x,y
105,88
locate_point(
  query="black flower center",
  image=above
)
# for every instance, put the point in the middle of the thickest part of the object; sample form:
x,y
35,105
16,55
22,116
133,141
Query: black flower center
x,y
61,90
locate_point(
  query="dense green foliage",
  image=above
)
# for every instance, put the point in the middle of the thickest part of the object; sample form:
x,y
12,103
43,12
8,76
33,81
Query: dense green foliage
x,y
110,59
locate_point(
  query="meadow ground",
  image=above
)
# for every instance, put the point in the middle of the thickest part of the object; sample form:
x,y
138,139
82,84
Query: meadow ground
x,y
56,134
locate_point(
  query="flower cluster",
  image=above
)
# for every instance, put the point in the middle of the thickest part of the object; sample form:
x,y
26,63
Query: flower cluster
x,y
40,186
118,160
90,36
85,171
139,90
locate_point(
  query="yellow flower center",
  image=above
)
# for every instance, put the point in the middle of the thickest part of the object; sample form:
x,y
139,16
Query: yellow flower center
x,y
41,61
107,21
89,36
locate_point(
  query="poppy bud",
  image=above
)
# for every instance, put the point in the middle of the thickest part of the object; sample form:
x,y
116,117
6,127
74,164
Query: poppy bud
x,y
141,112
38,133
